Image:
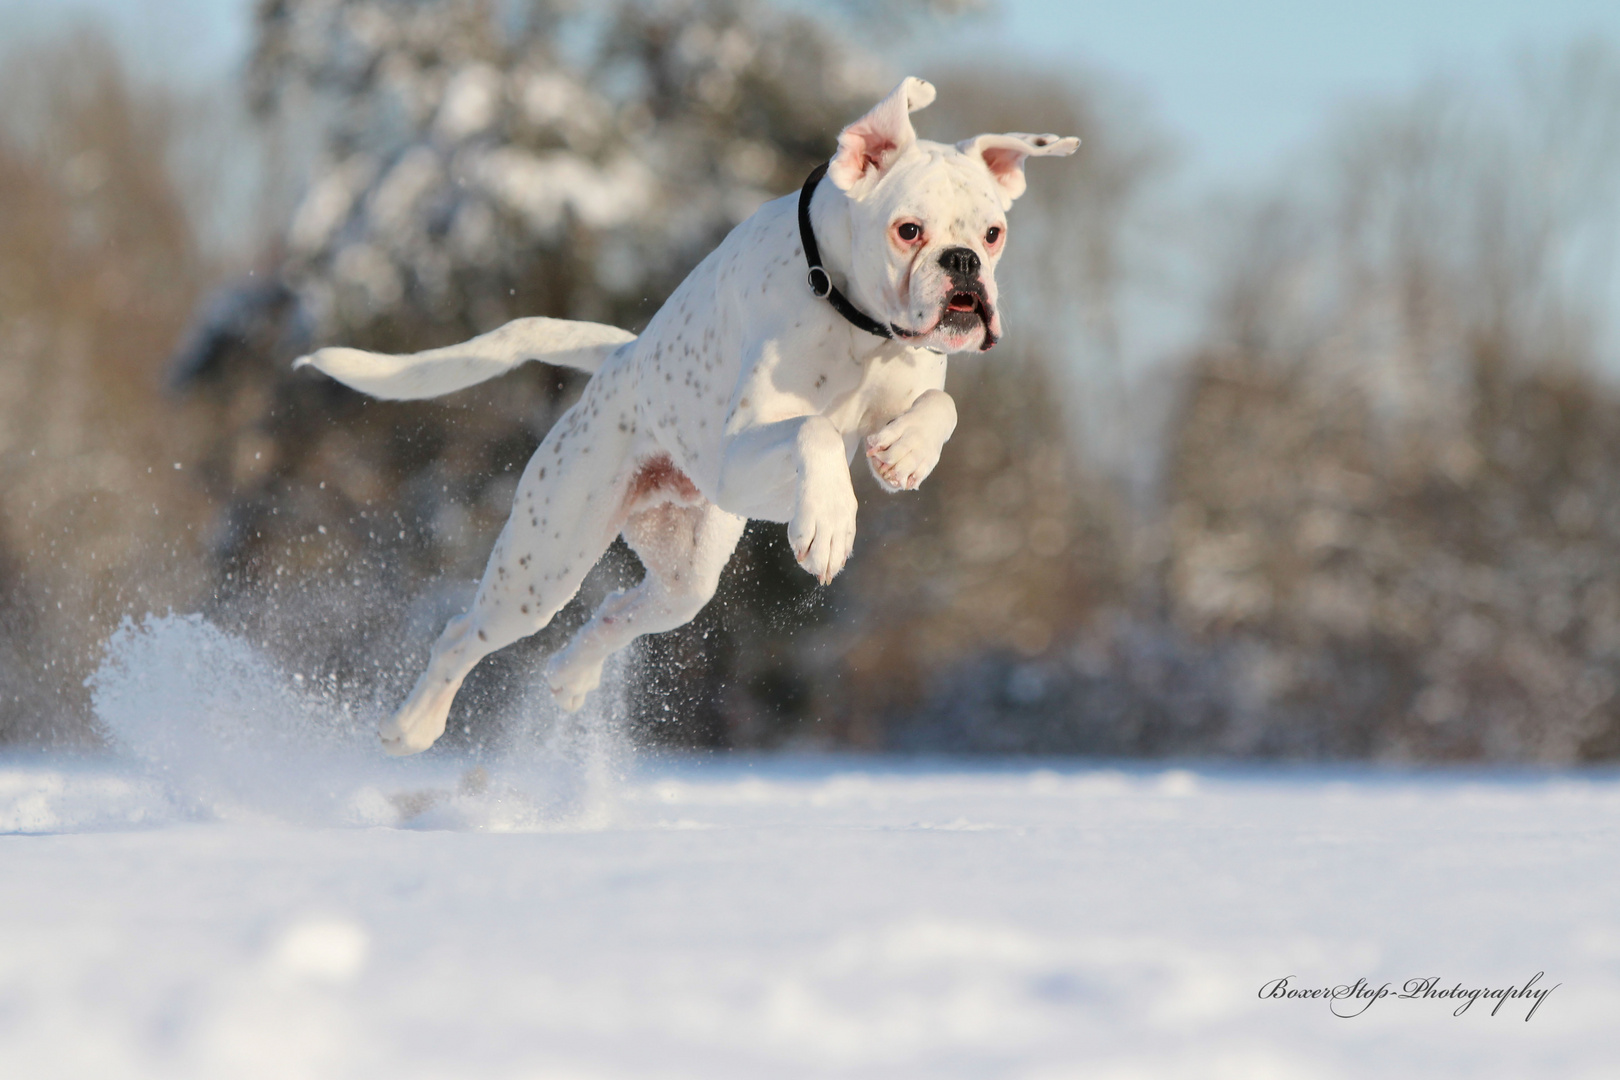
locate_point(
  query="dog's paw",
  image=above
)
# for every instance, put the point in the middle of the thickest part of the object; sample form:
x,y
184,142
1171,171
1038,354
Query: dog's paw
x,y
903,453
417,725
822,532
571,681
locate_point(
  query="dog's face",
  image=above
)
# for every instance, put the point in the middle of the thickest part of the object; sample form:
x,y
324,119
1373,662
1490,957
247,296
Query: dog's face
x,y
928,222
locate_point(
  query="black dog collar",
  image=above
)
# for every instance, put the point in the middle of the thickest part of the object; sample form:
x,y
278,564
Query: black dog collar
x,y
820,284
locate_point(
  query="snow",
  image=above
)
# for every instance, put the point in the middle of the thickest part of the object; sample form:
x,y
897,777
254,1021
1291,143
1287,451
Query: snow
x,y
246,889
541,187
471,104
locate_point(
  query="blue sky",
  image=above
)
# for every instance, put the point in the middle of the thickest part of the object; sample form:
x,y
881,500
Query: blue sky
x,y
1239,85
179,39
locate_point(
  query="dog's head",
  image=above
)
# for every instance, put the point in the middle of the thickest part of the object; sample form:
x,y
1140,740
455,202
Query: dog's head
x,y
928,222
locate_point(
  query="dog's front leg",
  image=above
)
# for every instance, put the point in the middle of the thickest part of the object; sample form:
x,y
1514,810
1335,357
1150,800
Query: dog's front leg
x,y
905,450
795,471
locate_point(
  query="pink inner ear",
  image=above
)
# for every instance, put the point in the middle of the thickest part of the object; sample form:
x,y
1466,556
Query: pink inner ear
x,y
872,148
871,144
1003,162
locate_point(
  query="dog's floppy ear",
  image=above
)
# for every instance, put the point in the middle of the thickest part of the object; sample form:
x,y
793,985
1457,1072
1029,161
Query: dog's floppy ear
x,y
870,144
1004,156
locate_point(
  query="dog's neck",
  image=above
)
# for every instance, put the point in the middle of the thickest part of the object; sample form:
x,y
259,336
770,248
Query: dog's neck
x,y
829,216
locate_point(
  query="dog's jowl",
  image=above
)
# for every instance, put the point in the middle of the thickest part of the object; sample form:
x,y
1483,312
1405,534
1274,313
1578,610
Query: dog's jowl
x,y
816,330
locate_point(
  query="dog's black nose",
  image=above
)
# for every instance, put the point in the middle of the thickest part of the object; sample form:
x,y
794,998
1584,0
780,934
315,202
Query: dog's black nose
x,y
960,262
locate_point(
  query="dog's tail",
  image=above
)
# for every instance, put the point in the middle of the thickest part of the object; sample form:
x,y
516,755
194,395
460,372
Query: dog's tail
x,y
408,377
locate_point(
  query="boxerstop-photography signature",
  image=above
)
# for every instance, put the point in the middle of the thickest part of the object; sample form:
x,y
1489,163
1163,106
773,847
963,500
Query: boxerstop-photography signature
x,y
1354,999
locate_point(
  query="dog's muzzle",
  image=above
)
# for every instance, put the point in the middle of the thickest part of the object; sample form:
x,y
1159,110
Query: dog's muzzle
x,y
967,303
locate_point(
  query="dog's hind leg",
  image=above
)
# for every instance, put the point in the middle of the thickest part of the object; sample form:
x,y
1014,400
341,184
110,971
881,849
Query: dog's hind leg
x,y
569,504
684,549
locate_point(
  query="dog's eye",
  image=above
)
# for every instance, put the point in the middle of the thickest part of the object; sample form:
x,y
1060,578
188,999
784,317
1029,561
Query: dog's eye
x,y
909,231
992,235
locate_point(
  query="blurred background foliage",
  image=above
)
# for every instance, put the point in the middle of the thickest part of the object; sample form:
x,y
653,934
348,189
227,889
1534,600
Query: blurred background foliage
x,y
1374,511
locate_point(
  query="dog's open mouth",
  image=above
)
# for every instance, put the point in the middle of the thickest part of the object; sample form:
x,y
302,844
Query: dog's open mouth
x,y
964,313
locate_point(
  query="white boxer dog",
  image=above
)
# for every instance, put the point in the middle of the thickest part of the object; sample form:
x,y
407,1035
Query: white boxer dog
x,y
746,397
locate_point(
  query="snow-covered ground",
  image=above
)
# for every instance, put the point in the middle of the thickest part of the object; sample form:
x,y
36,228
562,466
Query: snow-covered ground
x,y
244,892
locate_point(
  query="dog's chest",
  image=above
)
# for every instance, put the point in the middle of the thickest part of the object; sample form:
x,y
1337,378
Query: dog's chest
x,y
742,343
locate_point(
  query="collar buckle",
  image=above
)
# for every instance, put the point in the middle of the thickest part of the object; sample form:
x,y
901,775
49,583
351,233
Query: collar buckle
x,y
820,283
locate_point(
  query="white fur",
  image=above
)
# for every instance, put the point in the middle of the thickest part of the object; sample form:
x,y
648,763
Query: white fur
x,y
429,374
746,397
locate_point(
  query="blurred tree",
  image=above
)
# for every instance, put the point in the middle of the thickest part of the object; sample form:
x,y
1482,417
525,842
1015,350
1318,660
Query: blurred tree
x,y
1387,525
95,520
1396,476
